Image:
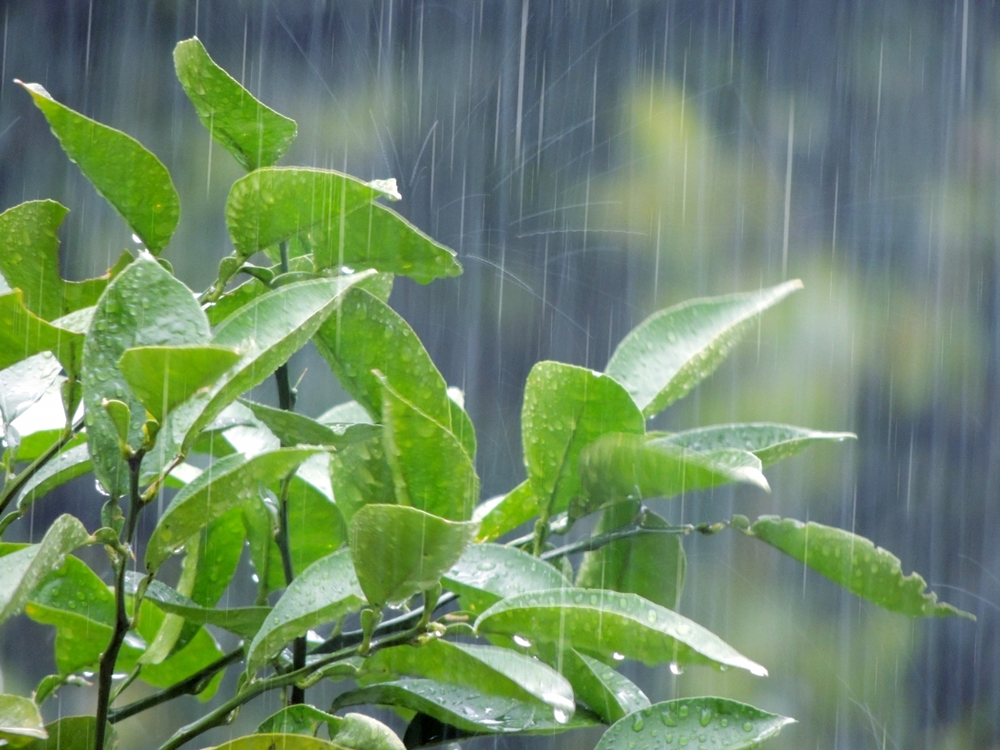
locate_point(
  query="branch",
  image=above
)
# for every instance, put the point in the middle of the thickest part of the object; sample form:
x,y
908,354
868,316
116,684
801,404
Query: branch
x,y
14,485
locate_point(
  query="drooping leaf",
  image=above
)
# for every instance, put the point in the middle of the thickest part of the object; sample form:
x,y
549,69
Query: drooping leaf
x,y
505,513
143,306
489,669
650,565
769,442
226,484
698,721
70,464
253,133
621,466
605,623
430,468
487,573
606,692
162,377
399,551
273,204
360,732
565,409
361,476
276,742
325,591
23,334
130,177
855,563
30,259
297,429
22,571
20,721
671,351
74,733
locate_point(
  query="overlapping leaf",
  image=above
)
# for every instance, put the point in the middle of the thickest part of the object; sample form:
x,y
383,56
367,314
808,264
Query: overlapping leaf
x,y
20,721
74,733
769,442
505,513
606,692
487,573
23,334
70,464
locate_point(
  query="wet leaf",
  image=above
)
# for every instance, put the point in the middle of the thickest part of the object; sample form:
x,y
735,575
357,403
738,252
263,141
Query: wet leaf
x,y
855,563
233,300
769,442
399,551
70,464
23,334
361,476
23,384
671,351
347,413
325,591
487,573
275,741
22,571
378,237
162,377
74,733
130,177
650,565
20,721
606,692
274,204
620,466
143,306
505,513
724,723
226,484
252,132
605,623
297,719
430,468
295,429
360,732
565,409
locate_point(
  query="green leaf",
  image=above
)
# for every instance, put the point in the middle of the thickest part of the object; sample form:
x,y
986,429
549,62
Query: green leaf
x,y
23,334
505,513
143,306
565,409
724,723
325,591
253,133
360,732
671,351
273,204
465,708
605,623
490,669
650,565
233,300
361,476
68,465
297,429
378,237
609,694
225,484
297,719
22,571
349,412
430,468
129,176
315,525
275,741
74,733
855,563
487,573
23,384
620,466
20,721
399,551
30,259
162,377
769,442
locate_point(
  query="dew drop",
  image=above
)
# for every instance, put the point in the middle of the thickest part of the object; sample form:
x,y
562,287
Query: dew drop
x,y
747,726
706,717
522,641
638,724
560,716
676,668
618,657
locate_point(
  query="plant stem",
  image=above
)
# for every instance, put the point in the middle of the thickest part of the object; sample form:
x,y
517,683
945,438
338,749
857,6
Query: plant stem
x,y
14,485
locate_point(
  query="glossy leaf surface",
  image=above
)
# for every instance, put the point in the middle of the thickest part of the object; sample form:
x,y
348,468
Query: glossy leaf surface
x,y
605,623
253,133
565,409
360,732
20,721
487,573
671,351
23,334
360,475
277,742
503,514
399,551
702,722
769,442
23,384
325,591
606,692
73,733
296,429
128,175
855,563
68,465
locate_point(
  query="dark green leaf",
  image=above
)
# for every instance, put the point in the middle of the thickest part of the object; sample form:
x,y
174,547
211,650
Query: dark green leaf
x,y
162,377
74,733
487,573
769,442
23,334
325,591
20,721
502,514
565,409
129,176
399,551
315,525
233,300
671,351
255,134
723,723
605,623
226,484
855,563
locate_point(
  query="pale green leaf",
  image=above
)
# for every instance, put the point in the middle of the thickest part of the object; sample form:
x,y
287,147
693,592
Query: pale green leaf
x,y
361,476
606,692
277,742
769,442
70,464
23,384
23,334
297,429
296,719
505,513
20,721
487,573
74,733
360,732
349,412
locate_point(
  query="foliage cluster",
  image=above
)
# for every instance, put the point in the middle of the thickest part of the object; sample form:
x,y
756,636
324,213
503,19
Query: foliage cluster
x,y
371,507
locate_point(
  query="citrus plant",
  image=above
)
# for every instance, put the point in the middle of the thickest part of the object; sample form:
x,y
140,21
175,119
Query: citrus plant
x,y
366,523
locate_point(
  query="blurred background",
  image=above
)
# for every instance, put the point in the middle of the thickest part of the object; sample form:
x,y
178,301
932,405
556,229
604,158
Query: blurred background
x,y
594,162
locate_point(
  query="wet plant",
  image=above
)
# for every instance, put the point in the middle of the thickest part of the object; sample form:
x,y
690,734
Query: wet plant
x,y
366,523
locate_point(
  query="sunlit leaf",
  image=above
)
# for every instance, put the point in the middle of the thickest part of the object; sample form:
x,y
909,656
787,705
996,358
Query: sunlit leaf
x,y
23,334
505,513
565,409
399,551
769,442
74,733
724,723
325,591
487,573
671,351
253,133
605,623
855,563
20,721
129,176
